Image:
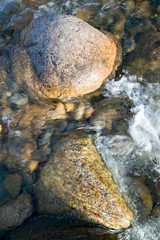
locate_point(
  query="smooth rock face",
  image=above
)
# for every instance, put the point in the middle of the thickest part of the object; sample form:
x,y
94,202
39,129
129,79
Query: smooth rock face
x,y
14,212
63,56
75,181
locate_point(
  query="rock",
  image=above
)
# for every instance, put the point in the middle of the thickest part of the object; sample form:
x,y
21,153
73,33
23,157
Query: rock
x,y
144,60
3,75
38,115
75,181
136,25
4,195
13,184
128,45
34,3
20,154
63,57
144,9
18,99
144,195
43,228
14,212
111,115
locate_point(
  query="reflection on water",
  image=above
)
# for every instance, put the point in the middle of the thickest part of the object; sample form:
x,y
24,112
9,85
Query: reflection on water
x,y
131,151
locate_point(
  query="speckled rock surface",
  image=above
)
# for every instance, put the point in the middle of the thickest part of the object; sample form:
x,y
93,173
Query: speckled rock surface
x,y
63,57
75,181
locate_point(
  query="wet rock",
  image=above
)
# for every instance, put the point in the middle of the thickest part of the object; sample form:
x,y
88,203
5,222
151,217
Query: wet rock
x,y
137,25
111,115
156,211
144,60
75,181
3,75
18,99
62,71
144,195
86,13
43,228
4,195
14,212
34,3
3,152
39,115
144,9
128,45
20,154
129,6
13,184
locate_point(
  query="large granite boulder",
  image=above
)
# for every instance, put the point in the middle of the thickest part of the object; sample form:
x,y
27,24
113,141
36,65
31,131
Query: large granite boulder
x,y
75,181
63,56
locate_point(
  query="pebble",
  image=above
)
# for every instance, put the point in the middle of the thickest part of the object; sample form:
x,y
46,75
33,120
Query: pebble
x,y
129,45
19,99
13,184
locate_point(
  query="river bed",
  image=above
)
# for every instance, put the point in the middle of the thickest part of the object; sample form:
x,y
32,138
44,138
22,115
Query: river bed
x,y
129,145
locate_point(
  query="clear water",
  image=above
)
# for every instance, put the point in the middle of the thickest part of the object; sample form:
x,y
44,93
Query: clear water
x,y
133,157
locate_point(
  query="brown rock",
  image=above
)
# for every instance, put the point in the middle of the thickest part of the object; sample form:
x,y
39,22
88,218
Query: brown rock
x,y
75,181
14,212
12,184
38,115
144,60
63,57
112,115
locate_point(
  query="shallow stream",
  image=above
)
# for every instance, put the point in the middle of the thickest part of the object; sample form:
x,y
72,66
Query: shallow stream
x,y
129,144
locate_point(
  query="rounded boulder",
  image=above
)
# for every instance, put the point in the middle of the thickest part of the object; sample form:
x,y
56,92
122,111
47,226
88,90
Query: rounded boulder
x,y
63,56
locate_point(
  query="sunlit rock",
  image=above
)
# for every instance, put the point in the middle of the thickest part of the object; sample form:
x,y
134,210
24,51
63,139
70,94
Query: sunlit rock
x,y
63,56
75,181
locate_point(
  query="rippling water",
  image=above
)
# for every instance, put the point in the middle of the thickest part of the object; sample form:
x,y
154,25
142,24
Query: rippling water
x,y
133,157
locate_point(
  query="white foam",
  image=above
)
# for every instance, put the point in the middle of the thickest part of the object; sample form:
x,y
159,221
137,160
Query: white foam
x,y
148,230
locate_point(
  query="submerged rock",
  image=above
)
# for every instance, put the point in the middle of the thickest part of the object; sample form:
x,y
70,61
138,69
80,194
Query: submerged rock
x,y
14,212
13,184
144,60
75,181
63,57
112,115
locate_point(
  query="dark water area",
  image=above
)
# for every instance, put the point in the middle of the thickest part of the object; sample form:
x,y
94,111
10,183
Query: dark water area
x,y
122,116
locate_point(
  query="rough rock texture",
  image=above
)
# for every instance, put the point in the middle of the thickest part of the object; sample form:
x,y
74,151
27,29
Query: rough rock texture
x,y
76,181
14,212
63,56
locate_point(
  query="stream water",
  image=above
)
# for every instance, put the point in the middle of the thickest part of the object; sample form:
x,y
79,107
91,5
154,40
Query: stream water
x,y
132,154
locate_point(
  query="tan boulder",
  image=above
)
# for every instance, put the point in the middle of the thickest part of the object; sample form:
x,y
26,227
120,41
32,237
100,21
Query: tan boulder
x,y
75,181
63,57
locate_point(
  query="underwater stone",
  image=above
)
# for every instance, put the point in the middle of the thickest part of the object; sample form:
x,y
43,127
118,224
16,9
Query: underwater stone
x,y
75,181
14,212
